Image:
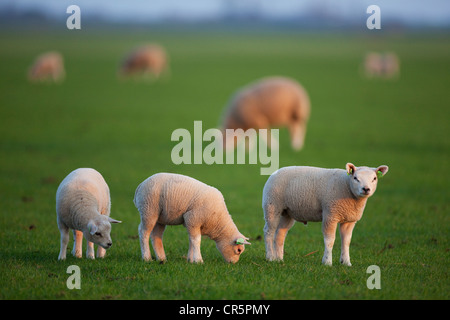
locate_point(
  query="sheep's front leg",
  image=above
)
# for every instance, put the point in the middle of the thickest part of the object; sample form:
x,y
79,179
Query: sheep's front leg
x,y
345,230
329,235
194,254
90,250
77,250
101,252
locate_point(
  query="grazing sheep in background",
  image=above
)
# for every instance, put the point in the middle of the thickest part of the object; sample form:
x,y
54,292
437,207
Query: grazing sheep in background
x,y
269,102
381,65
47,67
373,66
391,65
83,204
314,194
173,199
149,60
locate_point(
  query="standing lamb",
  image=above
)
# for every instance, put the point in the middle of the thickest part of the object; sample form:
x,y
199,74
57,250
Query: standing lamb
x,y
173,199
314,194
47,67
146,61
83,204
269,102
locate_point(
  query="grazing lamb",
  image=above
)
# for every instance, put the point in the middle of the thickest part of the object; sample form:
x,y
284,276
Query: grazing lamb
x,y
314,194
269,102
173,199
83,204
381,65
47,67
146,61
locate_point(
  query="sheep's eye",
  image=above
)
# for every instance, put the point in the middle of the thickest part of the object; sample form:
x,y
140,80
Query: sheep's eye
x,y
98,234
374,178
355,178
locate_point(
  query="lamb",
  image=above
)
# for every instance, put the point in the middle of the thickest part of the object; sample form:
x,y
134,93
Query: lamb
x,y
48,66
269,102
173,199
381,65
147,61
314,194
83,204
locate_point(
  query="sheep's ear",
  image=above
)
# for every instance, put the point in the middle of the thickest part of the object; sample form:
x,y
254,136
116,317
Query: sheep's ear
x,y
111,220
381,170
350,168
92,227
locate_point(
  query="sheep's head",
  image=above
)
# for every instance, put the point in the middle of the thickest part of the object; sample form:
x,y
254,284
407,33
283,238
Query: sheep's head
x,y
364,180
99,231
231,251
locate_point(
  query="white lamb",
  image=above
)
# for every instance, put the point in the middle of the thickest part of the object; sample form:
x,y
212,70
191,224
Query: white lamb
x,y
269,102
314,194
83,204
48,66
173,199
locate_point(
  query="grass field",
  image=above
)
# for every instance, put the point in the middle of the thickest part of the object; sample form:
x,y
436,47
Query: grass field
x,y
123,130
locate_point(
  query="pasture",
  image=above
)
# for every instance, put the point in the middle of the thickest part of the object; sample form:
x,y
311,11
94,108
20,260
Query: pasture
x,y
123,129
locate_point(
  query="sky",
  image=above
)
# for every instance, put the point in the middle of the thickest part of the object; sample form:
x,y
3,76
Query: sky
x,y
412,12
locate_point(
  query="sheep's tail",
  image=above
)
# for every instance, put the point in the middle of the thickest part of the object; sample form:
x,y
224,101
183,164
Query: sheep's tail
x,y
135,194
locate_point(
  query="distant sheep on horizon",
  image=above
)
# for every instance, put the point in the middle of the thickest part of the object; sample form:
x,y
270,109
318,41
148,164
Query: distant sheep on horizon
x,y
147,61
48,67
381,65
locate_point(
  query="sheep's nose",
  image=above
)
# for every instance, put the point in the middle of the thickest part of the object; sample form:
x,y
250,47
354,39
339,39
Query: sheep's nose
x,y
366,190
109,244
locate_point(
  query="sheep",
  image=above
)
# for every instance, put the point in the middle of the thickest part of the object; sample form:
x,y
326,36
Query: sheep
x,y
83,204
314,194
146,61
48,66
382,65
174,199
269,102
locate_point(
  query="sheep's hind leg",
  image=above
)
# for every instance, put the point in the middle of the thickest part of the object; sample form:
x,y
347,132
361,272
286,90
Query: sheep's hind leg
x,y
145,228
329,235
64,240
286,222
157,241
272,218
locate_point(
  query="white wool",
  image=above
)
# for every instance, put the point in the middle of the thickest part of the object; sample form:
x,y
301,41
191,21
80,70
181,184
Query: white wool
x,y
83,204
173,199
333,196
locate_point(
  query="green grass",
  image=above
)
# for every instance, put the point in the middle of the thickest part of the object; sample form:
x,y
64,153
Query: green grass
x,y
123,130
